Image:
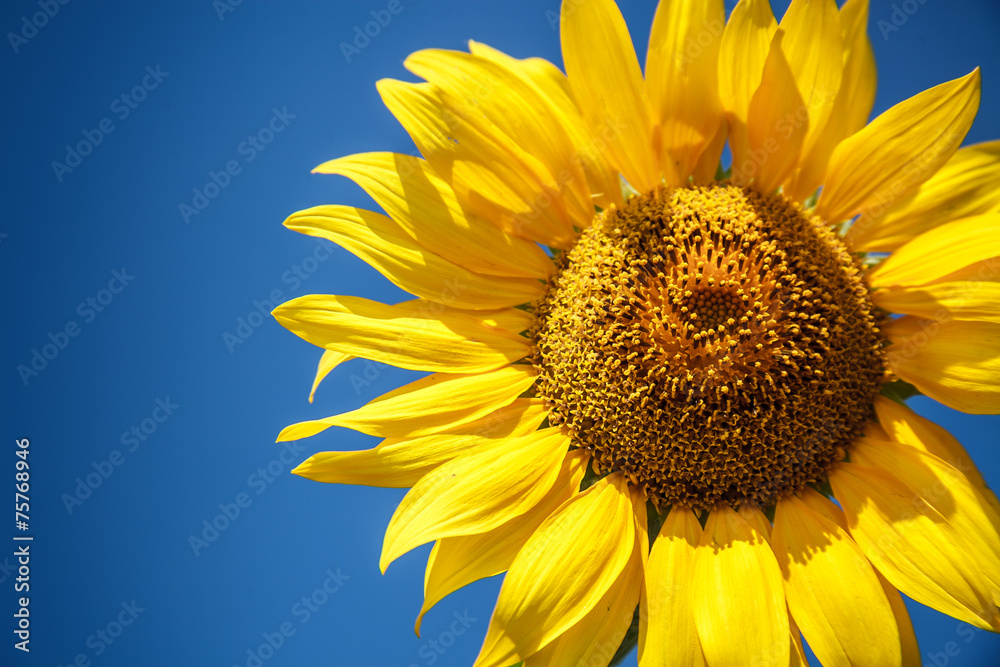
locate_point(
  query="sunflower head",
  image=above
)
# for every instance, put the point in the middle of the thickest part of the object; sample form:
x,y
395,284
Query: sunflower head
x,y
658,389
712,343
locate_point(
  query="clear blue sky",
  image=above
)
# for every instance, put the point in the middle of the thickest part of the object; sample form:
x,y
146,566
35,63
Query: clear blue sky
x,y
99,258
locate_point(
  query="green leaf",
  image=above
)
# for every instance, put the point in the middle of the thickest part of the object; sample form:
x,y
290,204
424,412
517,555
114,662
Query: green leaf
x,y
899,391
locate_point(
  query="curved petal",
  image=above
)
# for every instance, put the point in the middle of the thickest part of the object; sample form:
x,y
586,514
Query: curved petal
x,y
852,106
907,427
327,363
476,492
965,300
742,54
402,462
986,269
899,150
540,599
814,50
458,561
908,649
965,186
682,65
756,519
954,362
777,123
596,637
943,487
738,585
667,633
857,90
917,551
404,336
607,83
908,640
382,243
499,103
424,205
798,654
940,252
605,185
490,175
708,162
434,404
833,592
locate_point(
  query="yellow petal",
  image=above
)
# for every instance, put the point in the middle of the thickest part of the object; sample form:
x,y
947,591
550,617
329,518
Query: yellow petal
x,y
605,186
899,150
518,110
401,462
562,572
607,84
327,363
425,206
852,106
457,561
905,426
944,488
909,650
966,300
956,363
492,176
384,245
777,124
667,634
738,585
476,492
940,252
814,50
908,640
857,89
987,269
434,404
744,50
917,551
965,186
708,162
595,638
756,519
833,592
681,79
798,654
407,337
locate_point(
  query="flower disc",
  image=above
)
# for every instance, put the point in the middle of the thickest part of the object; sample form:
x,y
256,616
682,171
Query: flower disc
x,y
712,343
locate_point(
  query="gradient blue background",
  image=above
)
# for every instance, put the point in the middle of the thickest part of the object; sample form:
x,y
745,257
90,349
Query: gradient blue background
x,y
163,335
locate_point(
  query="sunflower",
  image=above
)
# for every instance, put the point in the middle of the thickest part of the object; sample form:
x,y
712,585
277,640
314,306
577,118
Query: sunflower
x,y
664,395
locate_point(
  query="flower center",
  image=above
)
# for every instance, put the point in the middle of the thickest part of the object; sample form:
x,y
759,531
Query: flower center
x,y
712,343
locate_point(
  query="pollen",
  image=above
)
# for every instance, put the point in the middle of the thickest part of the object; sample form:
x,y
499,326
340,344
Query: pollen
x,y
712,343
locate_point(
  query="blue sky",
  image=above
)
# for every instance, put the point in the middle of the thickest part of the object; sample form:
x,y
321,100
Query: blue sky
x,y
145,264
